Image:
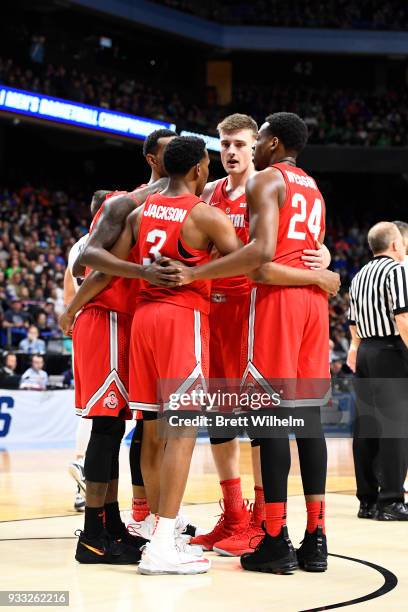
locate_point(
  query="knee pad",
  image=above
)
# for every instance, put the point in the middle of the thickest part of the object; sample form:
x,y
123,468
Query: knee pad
x,y
98,458
255,442
101,459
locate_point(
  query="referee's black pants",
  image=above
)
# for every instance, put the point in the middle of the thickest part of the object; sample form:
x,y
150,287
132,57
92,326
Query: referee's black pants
x,y
380,429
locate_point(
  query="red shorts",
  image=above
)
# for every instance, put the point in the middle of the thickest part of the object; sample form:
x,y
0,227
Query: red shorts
x,y
227,320
287,343
101,363
169,353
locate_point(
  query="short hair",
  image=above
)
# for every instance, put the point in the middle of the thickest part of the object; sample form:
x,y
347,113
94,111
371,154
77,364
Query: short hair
x,y
380,236
403,228
8,354
182,153
151,142
37,355
290,129
98,199
236,122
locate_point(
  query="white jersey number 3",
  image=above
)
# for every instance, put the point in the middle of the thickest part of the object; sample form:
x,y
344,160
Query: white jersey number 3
x,y
157,238
314,221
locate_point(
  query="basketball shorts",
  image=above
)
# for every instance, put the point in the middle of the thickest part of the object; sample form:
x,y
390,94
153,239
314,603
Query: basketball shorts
x,y
169,355
227,320
286,345
101,366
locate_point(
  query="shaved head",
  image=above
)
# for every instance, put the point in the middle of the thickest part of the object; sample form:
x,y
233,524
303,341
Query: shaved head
x,y
382,235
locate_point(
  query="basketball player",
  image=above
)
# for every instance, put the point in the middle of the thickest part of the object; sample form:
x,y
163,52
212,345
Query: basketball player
x,y
170,329
153,148
101,342
288,335
71,286
237,529
178,225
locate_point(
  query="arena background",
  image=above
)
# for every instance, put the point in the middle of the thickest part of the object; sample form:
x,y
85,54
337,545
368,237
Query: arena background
x,y
341,65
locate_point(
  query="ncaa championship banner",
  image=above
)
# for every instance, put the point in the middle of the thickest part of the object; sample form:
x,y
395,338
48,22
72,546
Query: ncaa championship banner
x,y
35,418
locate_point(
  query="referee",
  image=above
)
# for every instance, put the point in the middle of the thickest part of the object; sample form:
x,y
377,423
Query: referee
x,y
378,355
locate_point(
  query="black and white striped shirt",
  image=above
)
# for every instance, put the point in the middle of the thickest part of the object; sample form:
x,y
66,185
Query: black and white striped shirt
x,y
377,293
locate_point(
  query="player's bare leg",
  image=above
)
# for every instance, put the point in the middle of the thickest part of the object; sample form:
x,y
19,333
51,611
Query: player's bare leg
x,y
226,459
235,516
174,472
151,461
163,555
95,494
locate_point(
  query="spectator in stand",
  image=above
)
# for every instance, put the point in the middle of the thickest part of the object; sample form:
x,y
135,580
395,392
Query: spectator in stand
x,y
32,344
334,116
8,372
16,320
35,378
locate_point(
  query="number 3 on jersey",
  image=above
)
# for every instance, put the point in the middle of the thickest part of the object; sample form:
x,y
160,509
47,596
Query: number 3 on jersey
x,y
156,238
313,222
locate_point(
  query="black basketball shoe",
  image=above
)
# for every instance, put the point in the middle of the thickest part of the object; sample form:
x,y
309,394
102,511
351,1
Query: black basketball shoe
x,y
274,555
130,540
397,511
105,550
312,554
367,510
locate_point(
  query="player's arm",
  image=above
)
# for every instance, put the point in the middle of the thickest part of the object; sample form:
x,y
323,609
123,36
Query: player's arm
x,y
112,262
69,287
93,284
262,193
140,194
107,230
286,276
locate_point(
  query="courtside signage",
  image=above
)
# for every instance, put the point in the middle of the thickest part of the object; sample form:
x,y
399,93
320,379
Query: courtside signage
x,y
76,114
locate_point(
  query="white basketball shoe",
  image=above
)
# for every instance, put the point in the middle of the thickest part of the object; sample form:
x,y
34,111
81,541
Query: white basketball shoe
x,y
157,560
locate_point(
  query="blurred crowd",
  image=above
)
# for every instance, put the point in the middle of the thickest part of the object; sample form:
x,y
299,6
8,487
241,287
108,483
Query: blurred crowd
x,y
334,116
345,14
37,229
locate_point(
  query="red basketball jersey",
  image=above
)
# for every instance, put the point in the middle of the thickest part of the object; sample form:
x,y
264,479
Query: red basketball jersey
x,y
301,218
160,235
236,210
121,293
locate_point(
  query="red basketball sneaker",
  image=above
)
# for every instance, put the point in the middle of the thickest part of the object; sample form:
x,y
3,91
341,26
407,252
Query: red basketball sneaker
x,y
228,525
242,541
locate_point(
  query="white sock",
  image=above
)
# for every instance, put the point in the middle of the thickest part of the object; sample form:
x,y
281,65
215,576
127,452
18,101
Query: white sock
x,y
163,535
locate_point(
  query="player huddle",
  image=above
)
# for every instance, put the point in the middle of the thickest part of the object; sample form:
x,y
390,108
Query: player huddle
x,y
187,282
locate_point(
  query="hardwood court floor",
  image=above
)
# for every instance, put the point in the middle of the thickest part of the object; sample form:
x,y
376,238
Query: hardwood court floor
x,y
37,544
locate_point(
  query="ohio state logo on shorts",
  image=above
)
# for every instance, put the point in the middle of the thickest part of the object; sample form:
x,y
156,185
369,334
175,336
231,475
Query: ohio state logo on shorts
x,y
111,401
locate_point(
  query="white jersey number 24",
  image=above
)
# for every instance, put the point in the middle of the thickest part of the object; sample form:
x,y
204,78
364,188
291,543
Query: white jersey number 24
x,y
314,221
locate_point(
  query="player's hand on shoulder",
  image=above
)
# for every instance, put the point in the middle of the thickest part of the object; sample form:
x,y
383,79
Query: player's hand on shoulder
x,y
328,281
66,322
164,272
317,259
